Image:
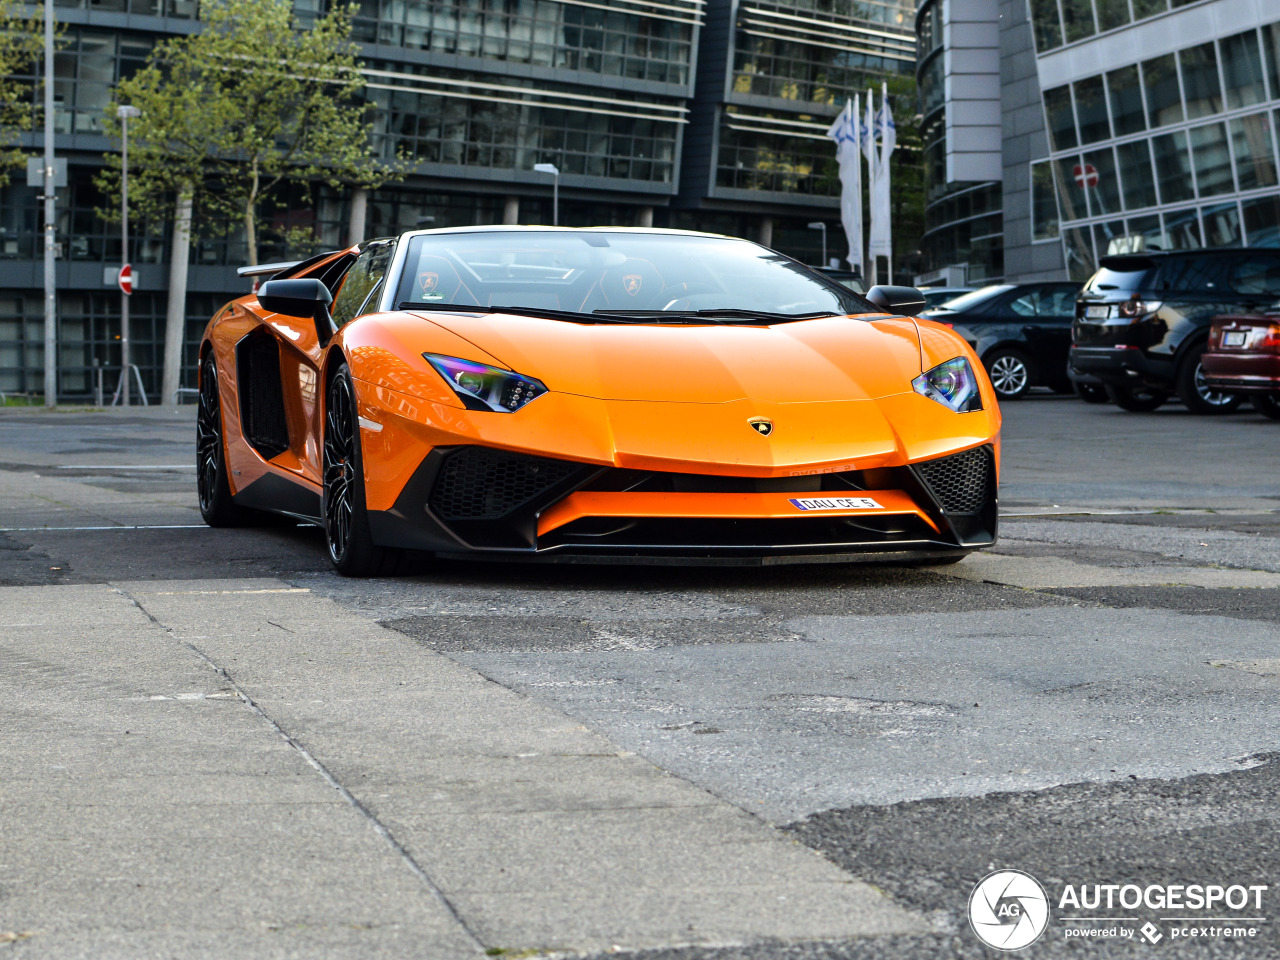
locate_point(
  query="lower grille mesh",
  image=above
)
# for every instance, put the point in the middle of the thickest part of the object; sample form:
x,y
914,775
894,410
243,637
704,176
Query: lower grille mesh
x,y
959,481
476,483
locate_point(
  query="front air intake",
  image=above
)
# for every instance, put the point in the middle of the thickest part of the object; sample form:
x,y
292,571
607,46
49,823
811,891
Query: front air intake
x,y
478,483
961,482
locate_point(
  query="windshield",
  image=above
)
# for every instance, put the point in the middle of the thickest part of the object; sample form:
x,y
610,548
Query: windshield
x,y
968,301
613,276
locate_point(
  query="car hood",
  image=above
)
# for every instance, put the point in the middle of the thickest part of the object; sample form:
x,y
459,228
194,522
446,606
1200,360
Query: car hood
x,y
804,361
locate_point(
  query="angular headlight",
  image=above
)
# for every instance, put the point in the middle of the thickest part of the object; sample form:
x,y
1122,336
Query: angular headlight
x,y
482,387
952,384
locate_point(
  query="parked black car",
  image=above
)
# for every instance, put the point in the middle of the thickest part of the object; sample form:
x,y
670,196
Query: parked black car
x,y
1021,331
1142,322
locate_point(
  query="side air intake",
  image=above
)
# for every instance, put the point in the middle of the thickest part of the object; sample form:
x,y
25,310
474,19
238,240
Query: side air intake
x,y
961,481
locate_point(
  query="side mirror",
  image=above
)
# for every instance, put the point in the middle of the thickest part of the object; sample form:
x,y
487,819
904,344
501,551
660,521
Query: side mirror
x,y
300,298
906,301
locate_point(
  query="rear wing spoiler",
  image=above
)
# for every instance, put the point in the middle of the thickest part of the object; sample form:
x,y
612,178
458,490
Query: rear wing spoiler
x,y
263,269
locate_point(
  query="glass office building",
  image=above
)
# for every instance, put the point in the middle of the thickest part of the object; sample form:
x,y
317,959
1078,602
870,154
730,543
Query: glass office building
x,y
475,92
771,76
1126,125
957,71
1171,145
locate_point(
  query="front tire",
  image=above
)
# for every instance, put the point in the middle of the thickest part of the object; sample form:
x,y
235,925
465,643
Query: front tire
x,y
213,488
1136,399
1011,372
1267,404
346,517
1196,393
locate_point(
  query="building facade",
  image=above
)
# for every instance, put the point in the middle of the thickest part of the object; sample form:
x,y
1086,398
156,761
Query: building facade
x,y
958,74
1125,125
703,114
1162,125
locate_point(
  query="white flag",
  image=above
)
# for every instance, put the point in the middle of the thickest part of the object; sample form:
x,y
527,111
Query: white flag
x,y
880,243
846,132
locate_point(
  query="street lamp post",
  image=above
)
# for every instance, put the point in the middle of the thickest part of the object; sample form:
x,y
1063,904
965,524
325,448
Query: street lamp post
x,y
50,223
552,169
124,112
819,225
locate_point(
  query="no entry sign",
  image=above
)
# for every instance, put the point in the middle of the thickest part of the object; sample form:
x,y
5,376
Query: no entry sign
x,y
125,280
1086,175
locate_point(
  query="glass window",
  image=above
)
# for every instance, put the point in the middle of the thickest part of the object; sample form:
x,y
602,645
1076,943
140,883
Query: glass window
x,y
1164,97
1242,70
1078,249
1148,8
1182,230
1200,81
1125,92
1044,205
1255,157
1112,13
606,272
1173,167
1091,110
1068,178
1212,160
1221,225
1256,275
1271,54
1105,194
1262,221
1109,238
1062,122
362,281
1077,19
1138,181
1148,232
1044,16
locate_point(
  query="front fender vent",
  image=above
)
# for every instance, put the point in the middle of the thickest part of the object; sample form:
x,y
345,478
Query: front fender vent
x,y
962,481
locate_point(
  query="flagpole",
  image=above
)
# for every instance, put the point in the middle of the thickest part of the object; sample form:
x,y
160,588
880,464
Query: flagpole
x,y
885,149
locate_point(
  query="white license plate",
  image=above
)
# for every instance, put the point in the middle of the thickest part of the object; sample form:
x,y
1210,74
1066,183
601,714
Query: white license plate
x,y
1234,338
836,503
1097,313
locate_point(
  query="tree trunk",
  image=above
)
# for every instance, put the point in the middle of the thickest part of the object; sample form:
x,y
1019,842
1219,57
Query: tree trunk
x,y
175,325
250,227
359,210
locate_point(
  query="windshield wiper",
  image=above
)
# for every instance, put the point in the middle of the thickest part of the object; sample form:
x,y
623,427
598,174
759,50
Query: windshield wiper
x,y
544,312
712,313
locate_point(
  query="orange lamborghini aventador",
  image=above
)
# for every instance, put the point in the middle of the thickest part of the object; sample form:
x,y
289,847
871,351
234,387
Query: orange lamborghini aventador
x,y
603,394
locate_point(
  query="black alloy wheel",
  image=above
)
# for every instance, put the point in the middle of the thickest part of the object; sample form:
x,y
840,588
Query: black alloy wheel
x,y
1091,392
212,487
1196,393
1011,372
1136,399
1267,404
346,519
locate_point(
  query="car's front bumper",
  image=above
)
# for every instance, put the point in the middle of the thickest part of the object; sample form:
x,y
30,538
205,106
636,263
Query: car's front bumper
x,y
481,502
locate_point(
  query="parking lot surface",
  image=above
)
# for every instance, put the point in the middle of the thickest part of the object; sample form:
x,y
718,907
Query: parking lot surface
x,y
211,745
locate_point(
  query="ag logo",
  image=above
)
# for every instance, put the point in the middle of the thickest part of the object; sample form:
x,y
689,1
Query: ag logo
x,y
428,282
1008,910
631,283
761,425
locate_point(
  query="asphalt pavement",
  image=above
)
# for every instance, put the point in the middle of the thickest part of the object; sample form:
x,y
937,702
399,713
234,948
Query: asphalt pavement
x,y
211,745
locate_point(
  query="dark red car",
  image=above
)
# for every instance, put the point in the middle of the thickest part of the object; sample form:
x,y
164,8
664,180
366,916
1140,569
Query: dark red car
x,y
1243,356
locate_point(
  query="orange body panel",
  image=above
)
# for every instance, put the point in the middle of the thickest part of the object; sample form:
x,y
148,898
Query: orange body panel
x,y
723,505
